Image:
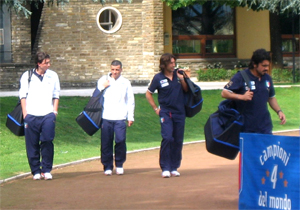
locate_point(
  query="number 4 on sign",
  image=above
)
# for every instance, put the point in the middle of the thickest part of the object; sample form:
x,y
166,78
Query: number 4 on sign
x,y
274,176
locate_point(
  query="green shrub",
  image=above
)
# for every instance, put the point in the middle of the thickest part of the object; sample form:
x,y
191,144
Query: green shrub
x,y
230,73
212,74
285,75
201,75
215,74
221,74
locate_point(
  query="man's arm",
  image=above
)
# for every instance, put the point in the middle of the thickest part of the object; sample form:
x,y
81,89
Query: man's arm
x,y
103,83
152,102
23,93
55,105
130,105
55,96
182,81
247,96
23,105
275,106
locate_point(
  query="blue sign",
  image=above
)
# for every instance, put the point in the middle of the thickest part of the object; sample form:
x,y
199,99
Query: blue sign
x,y
270,172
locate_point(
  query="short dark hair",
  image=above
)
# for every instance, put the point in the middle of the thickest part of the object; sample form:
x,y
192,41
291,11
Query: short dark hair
x,y
165,59
259,56
116,63
41,56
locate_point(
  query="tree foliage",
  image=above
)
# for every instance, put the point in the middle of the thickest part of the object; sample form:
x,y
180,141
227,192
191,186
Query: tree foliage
x,y
256,5
272,5
20,6
175,4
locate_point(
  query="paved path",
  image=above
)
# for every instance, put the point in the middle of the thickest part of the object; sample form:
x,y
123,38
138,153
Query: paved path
x,y
206,182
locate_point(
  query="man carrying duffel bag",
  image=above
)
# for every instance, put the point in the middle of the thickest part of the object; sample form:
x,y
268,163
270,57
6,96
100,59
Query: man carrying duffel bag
x,y
257,118
39,101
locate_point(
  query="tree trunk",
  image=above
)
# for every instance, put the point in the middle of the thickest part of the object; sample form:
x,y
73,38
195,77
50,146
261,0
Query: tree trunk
x,y
276,41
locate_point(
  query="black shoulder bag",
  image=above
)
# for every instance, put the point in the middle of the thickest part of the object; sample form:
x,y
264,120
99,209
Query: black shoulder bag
x,y
193,98
15,120
222,129
90,119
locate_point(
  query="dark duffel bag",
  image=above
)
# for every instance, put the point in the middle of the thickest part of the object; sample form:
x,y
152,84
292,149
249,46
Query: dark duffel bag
x,y
193,100
87,123
90,118
222,131
15,121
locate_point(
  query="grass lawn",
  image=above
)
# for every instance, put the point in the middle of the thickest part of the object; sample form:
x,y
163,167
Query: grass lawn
x,y
71,143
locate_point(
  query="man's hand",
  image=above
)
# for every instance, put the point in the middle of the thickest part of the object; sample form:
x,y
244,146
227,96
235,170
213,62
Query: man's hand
x,y
180,76
181,79
157,111
130,123
106,84
248,96
282,117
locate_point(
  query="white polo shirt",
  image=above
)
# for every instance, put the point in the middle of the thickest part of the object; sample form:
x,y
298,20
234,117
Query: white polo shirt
x,y
39,101
118,99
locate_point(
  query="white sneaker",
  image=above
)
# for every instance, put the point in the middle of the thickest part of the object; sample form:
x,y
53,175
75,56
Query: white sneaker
x,y
36,177
175,173
108,172
119,171
166,174
47,176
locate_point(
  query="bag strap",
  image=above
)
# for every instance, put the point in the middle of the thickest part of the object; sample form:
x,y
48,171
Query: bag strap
x,y
184,74
246,78
100,92
30,72
189,82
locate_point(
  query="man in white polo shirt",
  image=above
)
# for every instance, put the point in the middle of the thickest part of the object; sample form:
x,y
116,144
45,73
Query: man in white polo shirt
x,y
118,107
39,101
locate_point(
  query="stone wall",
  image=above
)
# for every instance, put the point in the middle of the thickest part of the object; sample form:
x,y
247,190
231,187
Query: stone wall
x,y
10,75
82,53
20,39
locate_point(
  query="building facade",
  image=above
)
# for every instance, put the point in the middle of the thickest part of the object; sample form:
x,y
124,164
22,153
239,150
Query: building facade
x,y
83,37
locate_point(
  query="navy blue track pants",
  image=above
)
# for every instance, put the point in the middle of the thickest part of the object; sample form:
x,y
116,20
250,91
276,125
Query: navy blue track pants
x,y
110,130
39,135
172,132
